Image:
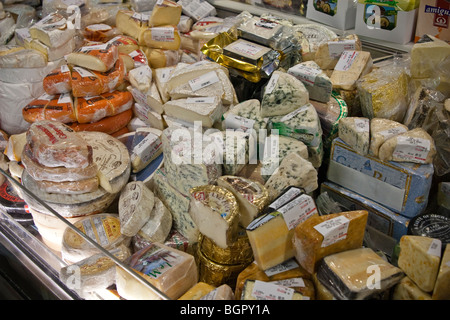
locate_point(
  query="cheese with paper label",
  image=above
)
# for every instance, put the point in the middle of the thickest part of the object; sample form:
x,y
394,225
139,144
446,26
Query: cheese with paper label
x,y
283,94
420,258
131,23
315,80
52,30
351,66
381,130
101,57
146,147
165,12
328,53
415,146
355,131
141,78
260,290
320,236
161,77
52,54
208,110
165,37
244,115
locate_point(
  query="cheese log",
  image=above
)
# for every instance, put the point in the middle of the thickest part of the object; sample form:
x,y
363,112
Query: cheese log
x,y
406,289
92,83
54,144
348,275
93,109
130,23
57,174
351,66
52,30
415,146
271,234
159,224
286,271
136,201
165,12
381,130
294,170
165,37
58,81
102,228
95,57
208,110
106,125
215,211
251,196
260,290
320,236
199,290
419,258
441,289
328,53
112,158
283,94
169,270
355,131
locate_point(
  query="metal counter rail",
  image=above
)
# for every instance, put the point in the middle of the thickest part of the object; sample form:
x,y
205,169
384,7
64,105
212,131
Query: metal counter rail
x,y
14,242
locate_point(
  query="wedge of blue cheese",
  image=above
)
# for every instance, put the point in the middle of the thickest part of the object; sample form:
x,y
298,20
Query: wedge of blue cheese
x,y
355,131
283,94
245,115
315,80
159,224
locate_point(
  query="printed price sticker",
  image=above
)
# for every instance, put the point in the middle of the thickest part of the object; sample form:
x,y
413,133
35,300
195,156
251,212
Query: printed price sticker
x,y
163,34
203,81
269,291
298,210
346,60
411,149
305,73
333,230
335,48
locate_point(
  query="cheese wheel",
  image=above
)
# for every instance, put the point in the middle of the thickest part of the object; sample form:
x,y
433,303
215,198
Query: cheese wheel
x,y
69,187
107,125
95,57
57,107
93,109
58,81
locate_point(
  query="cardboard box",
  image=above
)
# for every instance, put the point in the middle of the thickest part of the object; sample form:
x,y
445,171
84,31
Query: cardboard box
x,y
339,14
401,187
385,23
433,19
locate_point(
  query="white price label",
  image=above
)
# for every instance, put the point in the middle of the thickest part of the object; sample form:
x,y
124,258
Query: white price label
x,y
333,230
389,133
247,48
282,267
435,248
203,81
298,210
290,283
335,48
346,60
269,291
305,73
411,149
84,73
163,34
235,122
201,100
272,83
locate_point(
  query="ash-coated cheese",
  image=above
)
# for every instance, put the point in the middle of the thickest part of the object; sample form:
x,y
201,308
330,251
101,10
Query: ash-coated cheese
x,y
420,258
381,130
283,94
294,170
315,80
136,202
351,66
159,224
415,146
208,110
355,131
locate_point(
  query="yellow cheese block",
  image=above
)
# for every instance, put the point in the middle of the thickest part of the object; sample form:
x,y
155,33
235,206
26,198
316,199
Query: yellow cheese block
x,y
130,23
322,293
419,258
442,287
163,37
406,289
320,236
351,66
165,12
197,291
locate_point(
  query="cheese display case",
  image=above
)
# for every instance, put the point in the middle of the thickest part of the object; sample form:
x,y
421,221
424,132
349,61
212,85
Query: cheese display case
x,y
222,150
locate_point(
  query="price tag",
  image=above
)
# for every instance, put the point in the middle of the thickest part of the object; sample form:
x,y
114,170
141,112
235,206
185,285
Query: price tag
x,y
335,48
298,210
333,230
346,60
163,34
203,81
269,291
411,149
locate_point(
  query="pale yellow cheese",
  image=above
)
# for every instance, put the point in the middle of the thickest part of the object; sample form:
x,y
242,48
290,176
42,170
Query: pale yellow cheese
x,y
406,289
165,12
197,291
165,37
442,287
345,78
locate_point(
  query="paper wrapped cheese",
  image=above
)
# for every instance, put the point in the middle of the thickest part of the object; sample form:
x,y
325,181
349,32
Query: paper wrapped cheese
x,y
171,271
320,236
349,275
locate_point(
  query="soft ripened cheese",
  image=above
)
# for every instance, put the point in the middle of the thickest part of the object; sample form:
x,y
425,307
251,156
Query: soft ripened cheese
x,y
178,204
329,52
112,159
165,12
136,202
271,234
415,146
161,77
351,66
406,289
320,236
315,80
442,286
420,258
52,30
382,129
355,131
171,271
19,57
436,52
141,78
283,94
251,196
159,224
294,170
208,110
215,211
52,54
349,275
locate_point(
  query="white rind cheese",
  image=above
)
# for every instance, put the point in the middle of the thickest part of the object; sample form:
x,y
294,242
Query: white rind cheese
x,y
159,224
19,57
355,131
52,30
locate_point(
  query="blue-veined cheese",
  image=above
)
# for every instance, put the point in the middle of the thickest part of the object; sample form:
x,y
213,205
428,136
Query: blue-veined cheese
x,y
159,224
245,115
315,80
355,131
283,94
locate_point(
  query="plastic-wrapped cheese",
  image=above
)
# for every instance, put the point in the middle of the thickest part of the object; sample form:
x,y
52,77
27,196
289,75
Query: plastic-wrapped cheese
x,y
243,115
355,131
320,236
223,292
442,286
171,271
351,66
52,30
419,258
165,12
159,224
415,146
381,130
100,57
260,290
136,202
141,78
328,53
406,289
349,275
165,37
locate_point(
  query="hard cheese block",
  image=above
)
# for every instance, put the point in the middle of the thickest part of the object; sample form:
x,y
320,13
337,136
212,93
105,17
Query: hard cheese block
x,y
351,66
329,52
420,258
165,37
172,272
347,275
401,187
382,129
320,236
283,94
165,12
271,234
442,286
436,50
215,211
